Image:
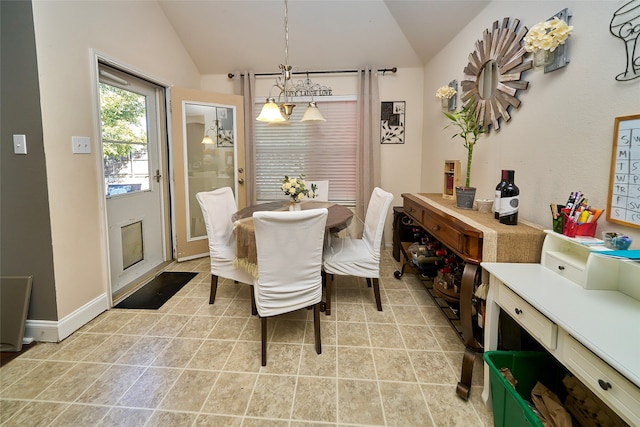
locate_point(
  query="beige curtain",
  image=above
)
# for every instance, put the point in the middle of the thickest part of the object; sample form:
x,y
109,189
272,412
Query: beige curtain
x,y
245,86
368,151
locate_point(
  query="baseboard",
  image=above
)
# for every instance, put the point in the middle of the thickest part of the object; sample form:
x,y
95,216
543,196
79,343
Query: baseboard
x,y
56,331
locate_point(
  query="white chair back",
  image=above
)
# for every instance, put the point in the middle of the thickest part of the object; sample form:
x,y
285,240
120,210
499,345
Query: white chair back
x,y
375,218
218,206
289,246
322,192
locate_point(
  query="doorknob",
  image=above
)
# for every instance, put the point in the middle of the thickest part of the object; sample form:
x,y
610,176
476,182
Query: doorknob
x,y
157,175
241,180
240,170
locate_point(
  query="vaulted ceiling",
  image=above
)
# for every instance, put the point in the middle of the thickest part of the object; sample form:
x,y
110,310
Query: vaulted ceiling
x,y
226,35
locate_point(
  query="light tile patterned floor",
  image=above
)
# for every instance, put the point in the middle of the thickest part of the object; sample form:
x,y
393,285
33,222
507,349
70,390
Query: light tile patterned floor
x,y
195,364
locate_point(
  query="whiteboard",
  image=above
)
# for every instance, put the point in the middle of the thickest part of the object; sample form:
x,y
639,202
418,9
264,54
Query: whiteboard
x,y
623,206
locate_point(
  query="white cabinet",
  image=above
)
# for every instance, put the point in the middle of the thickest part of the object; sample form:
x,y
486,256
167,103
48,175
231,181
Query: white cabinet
x,y
584,308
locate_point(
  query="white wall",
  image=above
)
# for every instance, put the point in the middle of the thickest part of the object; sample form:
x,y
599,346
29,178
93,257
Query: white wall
x,y
560,139
138,35
400,163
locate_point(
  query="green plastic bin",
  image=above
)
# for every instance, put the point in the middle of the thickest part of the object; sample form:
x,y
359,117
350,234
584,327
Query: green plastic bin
x,y
509,405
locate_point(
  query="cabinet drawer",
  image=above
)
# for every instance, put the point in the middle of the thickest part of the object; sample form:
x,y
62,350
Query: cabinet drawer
x,y
565,266
444,233
620,395
413,210
536,323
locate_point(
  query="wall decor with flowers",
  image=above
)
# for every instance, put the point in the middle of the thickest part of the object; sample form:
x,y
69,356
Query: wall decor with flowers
x,y
547,41
447,95
392,122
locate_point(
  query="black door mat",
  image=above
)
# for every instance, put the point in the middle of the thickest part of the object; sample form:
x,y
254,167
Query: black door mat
x,y
158,291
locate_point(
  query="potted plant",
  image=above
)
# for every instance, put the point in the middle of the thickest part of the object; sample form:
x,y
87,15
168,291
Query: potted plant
x,y
469,129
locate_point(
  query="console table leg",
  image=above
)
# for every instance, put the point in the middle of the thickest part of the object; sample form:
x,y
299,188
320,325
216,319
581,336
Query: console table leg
x,y
464,385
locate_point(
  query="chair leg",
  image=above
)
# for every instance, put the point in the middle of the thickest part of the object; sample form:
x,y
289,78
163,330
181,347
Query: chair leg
x,y
214,289
368,282
254,310
316,327
327,291
263,320
376,292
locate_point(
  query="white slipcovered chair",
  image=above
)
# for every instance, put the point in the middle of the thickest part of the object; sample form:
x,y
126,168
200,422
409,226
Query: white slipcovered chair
x,y
322,190
217,208
359,257
289,246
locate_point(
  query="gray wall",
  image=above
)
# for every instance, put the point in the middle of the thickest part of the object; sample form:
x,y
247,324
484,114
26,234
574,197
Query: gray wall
x,y
25,228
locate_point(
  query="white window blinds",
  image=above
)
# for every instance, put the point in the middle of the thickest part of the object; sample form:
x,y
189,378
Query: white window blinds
x,y
320,151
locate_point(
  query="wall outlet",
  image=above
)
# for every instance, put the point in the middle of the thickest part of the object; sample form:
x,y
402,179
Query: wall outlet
x,y
81,144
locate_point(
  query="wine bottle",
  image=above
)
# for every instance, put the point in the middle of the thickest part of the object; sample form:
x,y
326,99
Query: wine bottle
x,y
496,200
509,201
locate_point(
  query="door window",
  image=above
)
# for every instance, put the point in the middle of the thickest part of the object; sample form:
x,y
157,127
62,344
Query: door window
x,y
124,140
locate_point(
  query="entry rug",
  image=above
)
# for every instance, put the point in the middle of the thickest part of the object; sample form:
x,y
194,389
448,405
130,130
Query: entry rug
x,y
158,291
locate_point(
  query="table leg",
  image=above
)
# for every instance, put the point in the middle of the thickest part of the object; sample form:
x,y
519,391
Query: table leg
x,y
466,320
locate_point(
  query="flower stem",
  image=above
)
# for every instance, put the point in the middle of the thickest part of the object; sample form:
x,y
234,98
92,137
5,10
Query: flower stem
x,y
469,158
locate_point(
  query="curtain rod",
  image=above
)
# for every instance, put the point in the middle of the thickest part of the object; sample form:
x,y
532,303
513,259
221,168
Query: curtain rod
x,y
384,70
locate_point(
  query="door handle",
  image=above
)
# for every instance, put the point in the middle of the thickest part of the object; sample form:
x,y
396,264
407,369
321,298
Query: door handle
x,y
240,170
241,180
157,175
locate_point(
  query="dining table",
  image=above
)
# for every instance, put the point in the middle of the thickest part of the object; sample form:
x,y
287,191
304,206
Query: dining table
x,y
338,218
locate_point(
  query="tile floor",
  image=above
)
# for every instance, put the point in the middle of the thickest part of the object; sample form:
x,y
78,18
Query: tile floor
x,y
195,364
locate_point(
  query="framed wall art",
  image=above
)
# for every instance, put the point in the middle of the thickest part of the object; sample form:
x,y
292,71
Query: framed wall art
x,y
392,122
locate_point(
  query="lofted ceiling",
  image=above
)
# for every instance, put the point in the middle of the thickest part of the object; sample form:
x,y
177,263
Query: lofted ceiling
x,y
226,35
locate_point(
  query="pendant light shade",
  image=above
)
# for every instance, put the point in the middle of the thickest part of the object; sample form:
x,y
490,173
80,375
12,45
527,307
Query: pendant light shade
x,y
312,114
271,112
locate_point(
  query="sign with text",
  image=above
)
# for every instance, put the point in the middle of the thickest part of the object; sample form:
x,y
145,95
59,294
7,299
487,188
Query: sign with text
x,y
624,182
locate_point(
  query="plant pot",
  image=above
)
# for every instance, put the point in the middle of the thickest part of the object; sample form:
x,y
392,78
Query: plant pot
x,y
465,196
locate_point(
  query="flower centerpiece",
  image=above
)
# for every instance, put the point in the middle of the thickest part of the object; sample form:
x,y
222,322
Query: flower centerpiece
x,y
296,188
444,94
544,37
469,130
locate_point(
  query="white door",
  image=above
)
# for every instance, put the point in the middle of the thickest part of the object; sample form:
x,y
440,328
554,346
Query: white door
x,y
207,153
131,127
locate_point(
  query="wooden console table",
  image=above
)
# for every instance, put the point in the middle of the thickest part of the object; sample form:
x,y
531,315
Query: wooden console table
x,y
475,237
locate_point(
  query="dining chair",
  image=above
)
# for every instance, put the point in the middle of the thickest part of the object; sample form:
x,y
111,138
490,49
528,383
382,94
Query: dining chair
x,y
217,208
347,256
322,190
289,246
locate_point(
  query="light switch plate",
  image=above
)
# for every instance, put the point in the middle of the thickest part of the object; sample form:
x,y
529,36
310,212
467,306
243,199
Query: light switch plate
x,y
19,144
81,144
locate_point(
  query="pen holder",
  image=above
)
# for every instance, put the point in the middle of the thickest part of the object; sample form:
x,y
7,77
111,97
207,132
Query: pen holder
x,y
571,228
558,224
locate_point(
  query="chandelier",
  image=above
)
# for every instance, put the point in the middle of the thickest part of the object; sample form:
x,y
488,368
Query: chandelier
x,y
281,111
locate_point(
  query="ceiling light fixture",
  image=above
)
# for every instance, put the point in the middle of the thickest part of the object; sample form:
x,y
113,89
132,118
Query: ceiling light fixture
x,y
280,112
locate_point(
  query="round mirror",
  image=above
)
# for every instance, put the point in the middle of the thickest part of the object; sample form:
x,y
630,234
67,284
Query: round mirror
x,y
488,80
493,75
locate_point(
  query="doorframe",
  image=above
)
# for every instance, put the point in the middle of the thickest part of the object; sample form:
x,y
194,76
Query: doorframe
x,y
98,57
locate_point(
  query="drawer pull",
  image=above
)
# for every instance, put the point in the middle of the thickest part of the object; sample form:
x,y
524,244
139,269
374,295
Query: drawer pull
x,y
604,385
435,228
561,267
518,311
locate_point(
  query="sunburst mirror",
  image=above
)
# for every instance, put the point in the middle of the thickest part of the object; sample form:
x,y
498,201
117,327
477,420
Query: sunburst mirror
x,y
493,75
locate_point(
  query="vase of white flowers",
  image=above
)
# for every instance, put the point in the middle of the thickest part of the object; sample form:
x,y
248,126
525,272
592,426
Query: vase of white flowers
x,y
544,38
446,96
297,189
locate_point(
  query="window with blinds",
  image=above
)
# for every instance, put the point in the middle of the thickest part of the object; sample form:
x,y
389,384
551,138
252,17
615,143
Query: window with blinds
x,y
320,151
